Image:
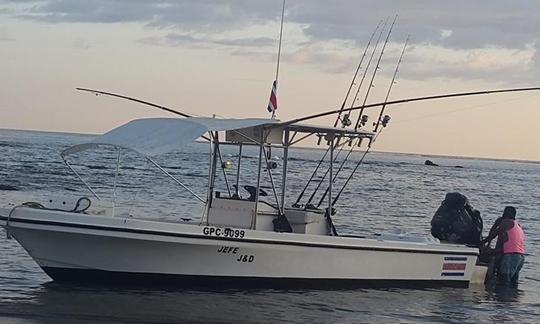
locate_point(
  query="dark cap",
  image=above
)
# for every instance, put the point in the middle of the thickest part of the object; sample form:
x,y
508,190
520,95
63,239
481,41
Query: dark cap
x,y
509,212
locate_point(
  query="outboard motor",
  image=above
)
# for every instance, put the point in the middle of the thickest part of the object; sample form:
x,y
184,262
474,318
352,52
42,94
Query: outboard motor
x,y
456,221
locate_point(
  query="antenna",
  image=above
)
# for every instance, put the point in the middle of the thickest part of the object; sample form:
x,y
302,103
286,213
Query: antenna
x,y
279,54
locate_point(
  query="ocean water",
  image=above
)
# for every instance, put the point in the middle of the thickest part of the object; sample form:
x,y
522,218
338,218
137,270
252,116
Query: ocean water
x,y
390,191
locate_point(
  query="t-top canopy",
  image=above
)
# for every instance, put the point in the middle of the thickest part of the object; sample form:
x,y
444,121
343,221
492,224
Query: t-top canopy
x,y
155,136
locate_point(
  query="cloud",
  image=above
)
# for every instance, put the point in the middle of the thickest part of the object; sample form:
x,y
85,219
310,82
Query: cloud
x,y
183,14
450,39
473,24
495,63
175,39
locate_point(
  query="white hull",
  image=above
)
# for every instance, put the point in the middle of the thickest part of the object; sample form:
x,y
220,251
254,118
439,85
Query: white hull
x,y
79,247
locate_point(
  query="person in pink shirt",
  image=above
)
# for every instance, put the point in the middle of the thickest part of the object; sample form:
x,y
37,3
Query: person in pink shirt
x,y
510,246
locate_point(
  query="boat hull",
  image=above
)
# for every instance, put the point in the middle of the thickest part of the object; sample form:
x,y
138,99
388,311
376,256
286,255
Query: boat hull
x,y
82,248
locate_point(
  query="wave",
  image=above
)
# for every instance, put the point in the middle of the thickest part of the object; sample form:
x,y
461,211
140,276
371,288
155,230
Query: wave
x,y
8,188
96,167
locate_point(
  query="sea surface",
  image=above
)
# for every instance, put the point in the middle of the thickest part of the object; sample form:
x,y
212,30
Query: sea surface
x,y
389,192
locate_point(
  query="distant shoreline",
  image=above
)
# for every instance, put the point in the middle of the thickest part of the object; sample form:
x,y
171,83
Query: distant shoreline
x,y
427,155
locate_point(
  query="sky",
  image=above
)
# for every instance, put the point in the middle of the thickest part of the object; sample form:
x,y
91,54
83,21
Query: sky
x,y
219,57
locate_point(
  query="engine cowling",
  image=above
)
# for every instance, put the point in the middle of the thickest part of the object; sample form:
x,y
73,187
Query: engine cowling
x,y
456,221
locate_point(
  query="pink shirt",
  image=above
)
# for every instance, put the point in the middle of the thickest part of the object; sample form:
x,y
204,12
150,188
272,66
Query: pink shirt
x,y
516,240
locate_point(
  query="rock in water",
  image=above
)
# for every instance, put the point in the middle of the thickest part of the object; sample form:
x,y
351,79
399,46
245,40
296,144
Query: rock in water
x,y
429,162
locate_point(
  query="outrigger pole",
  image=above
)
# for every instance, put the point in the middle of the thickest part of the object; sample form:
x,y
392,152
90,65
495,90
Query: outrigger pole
x,y
99,92
406,100
176,112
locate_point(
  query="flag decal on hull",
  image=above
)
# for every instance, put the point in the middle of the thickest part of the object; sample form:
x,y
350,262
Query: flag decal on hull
x,y
454,266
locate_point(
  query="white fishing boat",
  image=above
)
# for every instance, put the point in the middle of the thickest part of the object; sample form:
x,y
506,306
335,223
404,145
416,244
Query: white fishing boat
x,y
249,238
241,239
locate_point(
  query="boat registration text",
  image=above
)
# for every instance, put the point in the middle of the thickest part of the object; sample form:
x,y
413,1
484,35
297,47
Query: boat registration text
x,y
223,232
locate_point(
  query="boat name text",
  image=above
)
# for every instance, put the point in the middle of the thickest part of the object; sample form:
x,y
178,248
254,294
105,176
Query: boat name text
x,y
227,249
245,258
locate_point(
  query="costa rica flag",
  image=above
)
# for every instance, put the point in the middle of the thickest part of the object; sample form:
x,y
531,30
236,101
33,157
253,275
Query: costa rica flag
x,y
272,104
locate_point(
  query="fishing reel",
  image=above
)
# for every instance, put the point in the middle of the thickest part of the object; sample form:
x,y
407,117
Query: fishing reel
x,y
346,121
385,120
271,165
363,120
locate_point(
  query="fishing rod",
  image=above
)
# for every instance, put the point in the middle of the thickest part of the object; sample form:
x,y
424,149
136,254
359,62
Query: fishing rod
x,y
377,67
352,173
346,119
367,69
391,83
327,171
400,101
335,176
353,82
394,102
310,179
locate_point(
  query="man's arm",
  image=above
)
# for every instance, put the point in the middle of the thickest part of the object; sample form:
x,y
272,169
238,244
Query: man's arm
x,y
496,224
504,226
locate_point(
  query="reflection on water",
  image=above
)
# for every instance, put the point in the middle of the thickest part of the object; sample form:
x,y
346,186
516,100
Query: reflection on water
x,y
392,191
95,304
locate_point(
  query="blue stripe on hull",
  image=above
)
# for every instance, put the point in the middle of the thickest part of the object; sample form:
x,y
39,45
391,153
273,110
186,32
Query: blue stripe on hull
x,y
455,258
453,274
